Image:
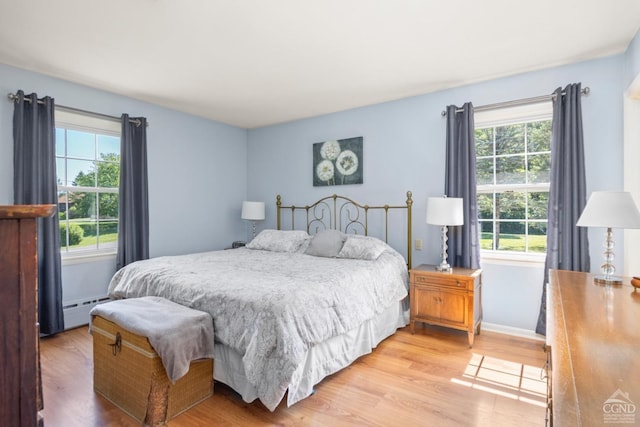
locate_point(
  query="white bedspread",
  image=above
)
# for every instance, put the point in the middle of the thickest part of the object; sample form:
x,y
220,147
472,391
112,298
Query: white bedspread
x,y
271,306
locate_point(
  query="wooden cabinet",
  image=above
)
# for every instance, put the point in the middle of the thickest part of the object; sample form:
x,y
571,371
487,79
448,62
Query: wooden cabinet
x,y
593,344
452,299
20,396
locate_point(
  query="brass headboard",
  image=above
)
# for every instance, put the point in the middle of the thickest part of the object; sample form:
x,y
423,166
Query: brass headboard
x,y
344,214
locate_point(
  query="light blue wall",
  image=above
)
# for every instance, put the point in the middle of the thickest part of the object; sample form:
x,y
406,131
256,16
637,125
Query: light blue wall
x,y
197,174
632,60
404,149
201,170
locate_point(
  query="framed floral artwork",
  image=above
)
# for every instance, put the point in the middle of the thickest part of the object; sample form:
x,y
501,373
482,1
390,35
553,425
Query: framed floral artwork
x,y
337,162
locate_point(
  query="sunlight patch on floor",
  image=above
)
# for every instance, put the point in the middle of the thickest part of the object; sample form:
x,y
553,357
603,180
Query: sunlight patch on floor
x,y
504,378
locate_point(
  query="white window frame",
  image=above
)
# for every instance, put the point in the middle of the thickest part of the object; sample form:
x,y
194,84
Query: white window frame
x,y
86,123
501,117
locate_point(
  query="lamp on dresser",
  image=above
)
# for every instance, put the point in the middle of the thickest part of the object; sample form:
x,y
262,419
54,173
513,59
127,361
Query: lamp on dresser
x,y
444,211
253,211
609,209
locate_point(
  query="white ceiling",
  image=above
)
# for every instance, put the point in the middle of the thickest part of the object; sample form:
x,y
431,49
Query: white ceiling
x,y
252,63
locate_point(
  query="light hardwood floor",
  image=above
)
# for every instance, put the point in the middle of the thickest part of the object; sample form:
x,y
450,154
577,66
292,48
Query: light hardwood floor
x,y
431,378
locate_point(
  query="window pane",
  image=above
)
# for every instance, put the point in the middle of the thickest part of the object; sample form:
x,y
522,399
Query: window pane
x,y
510,236
63,235
62,204
108,205
539,168
485,206
510,139
60,142
510,170
486,235
484,142
538,205
484,171
81,173
62,217
76,228
537,237
511,205
80,144
82,205
108,233
61,171
539,136
108,174
90,232
108,145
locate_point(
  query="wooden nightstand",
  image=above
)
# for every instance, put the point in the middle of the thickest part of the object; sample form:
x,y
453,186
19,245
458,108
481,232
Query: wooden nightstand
x,y
452,299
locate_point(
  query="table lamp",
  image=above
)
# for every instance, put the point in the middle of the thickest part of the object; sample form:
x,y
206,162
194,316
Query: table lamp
x,y
609,209
444,211
253,211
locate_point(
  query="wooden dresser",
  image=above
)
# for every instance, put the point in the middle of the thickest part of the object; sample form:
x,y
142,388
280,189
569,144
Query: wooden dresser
x,y
20,396
452,299
593,351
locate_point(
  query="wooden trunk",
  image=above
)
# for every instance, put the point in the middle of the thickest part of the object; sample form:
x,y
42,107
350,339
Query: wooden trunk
x,y
128,372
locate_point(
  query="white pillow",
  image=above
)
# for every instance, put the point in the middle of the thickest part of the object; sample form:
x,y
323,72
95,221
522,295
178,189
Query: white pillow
x,y
362,247
279,240
326,243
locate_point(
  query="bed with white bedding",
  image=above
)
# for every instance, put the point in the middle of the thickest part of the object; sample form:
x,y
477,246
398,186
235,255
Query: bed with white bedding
x,y
288,309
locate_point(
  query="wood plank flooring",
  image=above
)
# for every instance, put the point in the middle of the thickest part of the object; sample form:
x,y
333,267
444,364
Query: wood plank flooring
x,y
431,378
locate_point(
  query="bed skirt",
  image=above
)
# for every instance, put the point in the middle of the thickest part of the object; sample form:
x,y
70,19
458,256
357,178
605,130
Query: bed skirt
x,y
322,360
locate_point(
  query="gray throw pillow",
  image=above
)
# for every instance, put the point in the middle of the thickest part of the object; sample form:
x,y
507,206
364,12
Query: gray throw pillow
x,y
327,243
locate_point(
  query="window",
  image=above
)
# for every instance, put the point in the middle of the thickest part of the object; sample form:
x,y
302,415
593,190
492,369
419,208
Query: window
x,y
513,153
88,173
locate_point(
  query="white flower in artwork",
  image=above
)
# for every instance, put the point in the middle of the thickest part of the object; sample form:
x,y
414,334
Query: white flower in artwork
x,y
347,162
330,150
325,171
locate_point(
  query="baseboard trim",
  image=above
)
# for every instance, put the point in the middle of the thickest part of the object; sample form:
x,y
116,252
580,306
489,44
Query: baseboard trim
x,y
510,330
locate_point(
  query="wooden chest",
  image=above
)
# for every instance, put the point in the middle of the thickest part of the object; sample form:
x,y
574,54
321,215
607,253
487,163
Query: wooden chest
x,y
128,372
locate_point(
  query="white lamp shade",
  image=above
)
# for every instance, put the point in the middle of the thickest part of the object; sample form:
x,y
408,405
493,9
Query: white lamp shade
x,y
253,211
610,209
444,211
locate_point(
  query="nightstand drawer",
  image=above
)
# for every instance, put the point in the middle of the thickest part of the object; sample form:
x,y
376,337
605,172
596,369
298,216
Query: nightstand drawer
x,y
442,280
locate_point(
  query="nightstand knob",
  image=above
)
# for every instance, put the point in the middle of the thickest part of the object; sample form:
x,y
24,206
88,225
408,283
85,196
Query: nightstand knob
x,y
458,284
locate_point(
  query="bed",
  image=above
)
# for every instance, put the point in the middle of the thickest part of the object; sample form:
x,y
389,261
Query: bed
x,y
293,306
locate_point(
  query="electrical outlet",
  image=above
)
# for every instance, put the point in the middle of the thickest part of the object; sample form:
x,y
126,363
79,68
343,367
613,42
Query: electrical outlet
x,y
418,244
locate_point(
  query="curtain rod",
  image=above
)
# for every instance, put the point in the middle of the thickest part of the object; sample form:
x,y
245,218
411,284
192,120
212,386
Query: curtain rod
x,y
517,102
13,97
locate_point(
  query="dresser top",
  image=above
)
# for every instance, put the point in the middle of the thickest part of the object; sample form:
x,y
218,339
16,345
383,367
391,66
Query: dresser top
x,y
26,211
594,333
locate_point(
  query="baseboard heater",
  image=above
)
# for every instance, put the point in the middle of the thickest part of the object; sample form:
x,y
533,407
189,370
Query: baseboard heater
x,y
76,313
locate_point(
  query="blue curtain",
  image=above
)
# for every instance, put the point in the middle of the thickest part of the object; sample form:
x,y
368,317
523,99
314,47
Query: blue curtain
x,y
567,244
133,230
35,182
460,181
